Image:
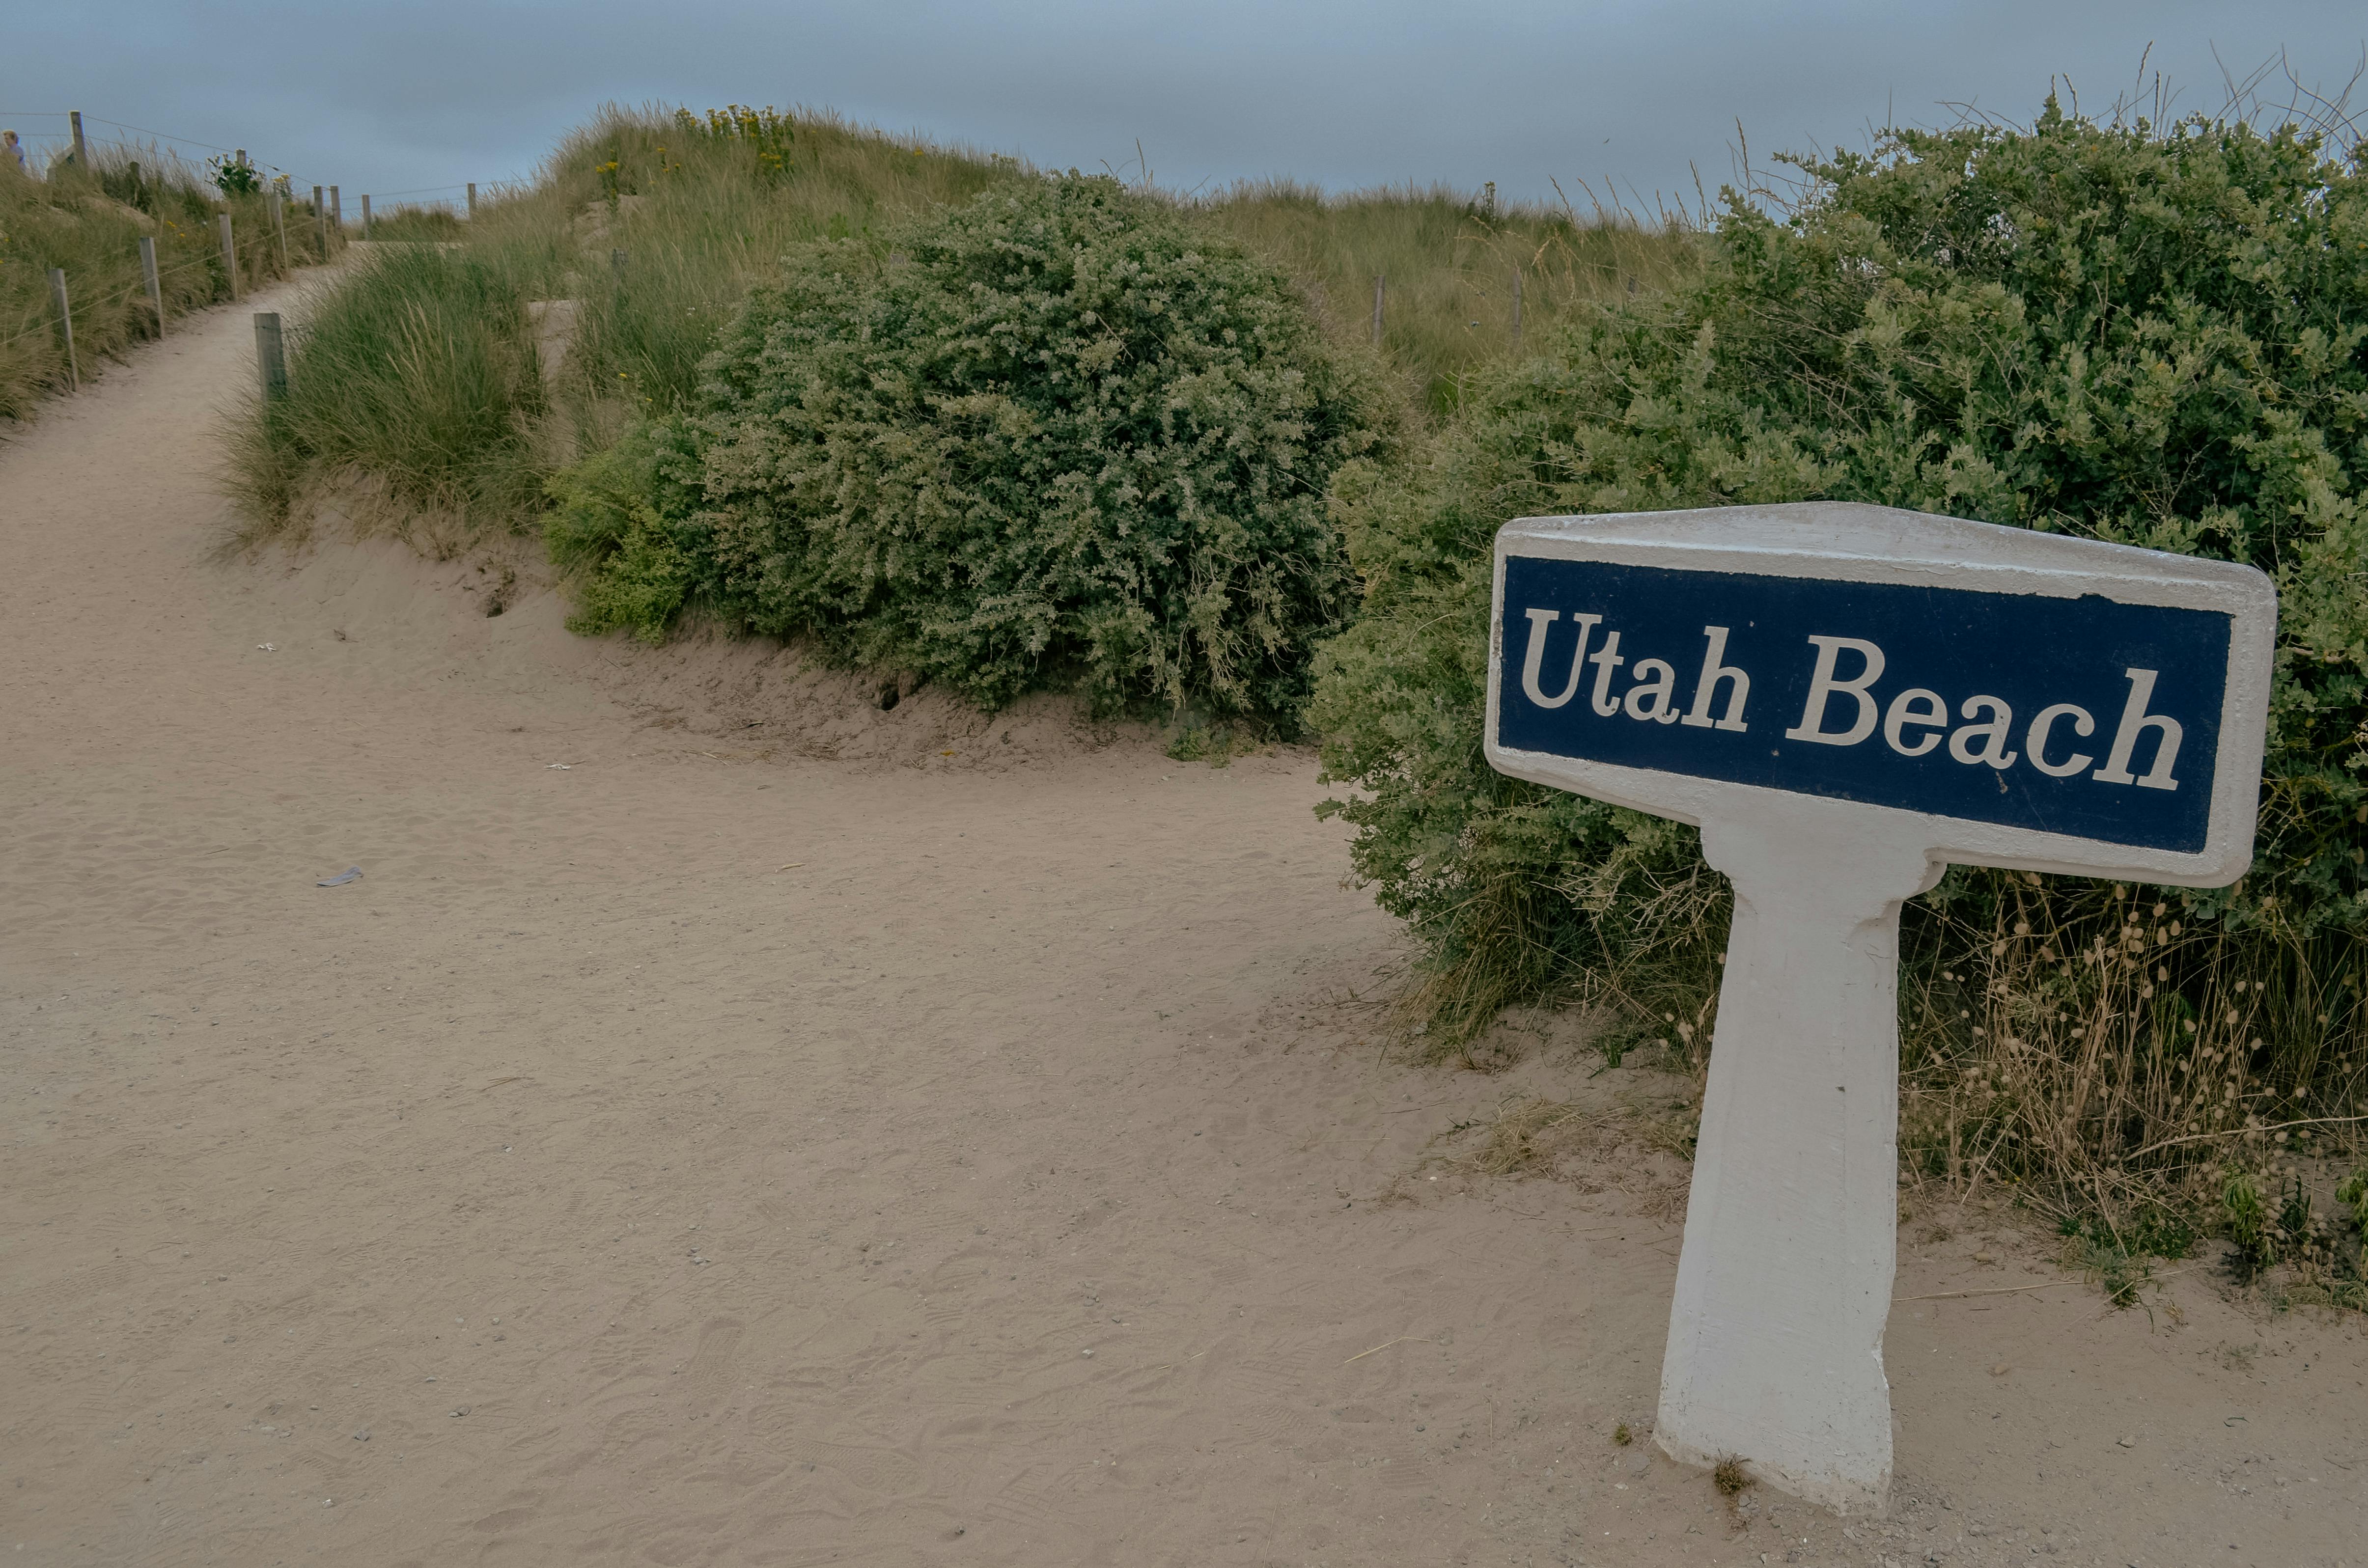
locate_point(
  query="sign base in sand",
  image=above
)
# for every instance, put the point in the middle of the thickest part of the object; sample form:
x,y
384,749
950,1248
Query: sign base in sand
x,y
1846,699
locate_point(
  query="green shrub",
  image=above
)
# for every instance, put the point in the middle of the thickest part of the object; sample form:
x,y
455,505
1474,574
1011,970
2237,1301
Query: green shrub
x,y
234,176
2354,1194
1061,434
606,536
2247,1222
2147,335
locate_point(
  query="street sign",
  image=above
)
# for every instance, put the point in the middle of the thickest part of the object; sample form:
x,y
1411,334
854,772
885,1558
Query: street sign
x,y
1845,698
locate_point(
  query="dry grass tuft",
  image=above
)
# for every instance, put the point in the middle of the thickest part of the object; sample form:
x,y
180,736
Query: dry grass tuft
x,y
2137,1072
1609,1142
1731,1479
2118,1064
1530,1135
1534,1136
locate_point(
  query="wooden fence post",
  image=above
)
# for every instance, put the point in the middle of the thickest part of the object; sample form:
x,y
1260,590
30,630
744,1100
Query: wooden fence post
x,y
270,356
321,220
280,227
80,152
65,321
366,215
473,200
1377,309
1517,307
337,213
230,257
155,285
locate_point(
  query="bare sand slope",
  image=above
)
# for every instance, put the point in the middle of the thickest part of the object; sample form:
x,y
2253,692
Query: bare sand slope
x,y
768,1138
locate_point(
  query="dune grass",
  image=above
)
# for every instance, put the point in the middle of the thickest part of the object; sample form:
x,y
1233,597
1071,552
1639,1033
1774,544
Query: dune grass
x,y
1446,262
87,218
2142,1075
413,226
651,227
422,379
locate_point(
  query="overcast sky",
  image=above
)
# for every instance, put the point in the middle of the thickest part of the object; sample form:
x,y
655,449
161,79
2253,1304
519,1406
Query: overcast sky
x,y
1636,95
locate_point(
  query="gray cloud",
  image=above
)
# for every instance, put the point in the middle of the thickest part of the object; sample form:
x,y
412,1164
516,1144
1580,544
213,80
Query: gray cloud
x,y
1636,96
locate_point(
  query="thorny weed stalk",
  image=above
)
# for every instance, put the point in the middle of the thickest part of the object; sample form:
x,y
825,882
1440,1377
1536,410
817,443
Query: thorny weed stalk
x,y
2132,1068
2116,1058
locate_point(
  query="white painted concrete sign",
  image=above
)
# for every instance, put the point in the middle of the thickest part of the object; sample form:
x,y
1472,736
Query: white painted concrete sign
x,y
1845,699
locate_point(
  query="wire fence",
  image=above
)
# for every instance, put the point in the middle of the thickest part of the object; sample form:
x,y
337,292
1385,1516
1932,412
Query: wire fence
x,y
46,151
74,133
119,297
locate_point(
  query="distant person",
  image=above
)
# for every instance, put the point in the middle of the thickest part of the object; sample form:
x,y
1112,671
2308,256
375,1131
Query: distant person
x,y
12,150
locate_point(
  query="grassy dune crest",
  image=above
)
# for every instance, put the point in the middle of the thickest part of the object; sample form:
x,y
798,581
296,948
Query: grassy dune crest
x,y
656,226
422,379
2151,334
1455,269
649,228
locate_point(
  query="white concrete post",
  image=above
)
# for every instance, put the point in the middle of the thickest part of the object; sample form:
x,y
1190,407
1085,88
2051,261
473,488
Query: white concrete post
x,y
1775,1348
1806,775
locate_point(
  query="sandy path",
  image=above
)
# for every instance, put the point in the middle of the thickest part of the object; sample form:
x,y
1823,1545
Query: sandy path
x,y
1001,1182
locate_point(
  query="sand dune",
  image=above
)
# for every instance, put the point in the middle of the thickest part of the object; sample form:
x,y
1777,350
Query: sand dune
x,y
727,1122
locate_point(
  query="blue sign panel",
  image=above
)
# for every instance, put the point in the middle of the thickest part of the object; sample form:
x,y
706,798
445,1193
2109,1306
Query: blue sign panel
x,y
2084,717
